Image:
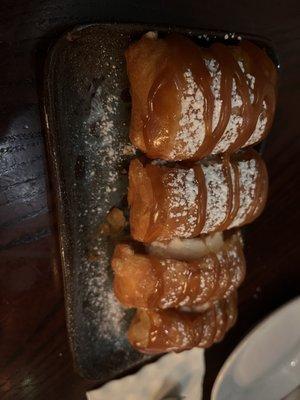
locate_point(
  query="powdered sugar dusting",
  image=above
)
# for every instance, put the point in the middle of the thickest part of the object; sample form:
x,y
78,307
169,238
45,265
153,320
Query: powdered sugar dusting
x,y
251,82
102,305
215,73
219,322
217,196
175,278
182,195
241,65
224,278
110,150
192,125
206,279
259,128
234,124
236,100
96,149
185,335
247,180
232,178
235,268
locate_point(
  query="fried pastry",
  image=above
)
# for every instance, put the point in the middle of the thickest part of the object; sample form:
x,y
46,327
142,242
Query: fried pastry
x,y
160,331
189,102
181,273
185,201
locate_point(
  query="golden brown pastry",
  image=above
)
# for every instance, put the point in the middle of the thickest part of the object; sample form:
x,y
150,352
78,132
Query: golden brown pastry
x,y
189,102
184,201
189,272
160,331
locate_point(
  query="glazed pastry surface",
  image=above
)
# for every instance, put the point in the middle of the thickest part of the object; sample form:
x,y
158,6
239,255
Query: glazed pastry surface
x,y
189,102
204,271
160,331
185,201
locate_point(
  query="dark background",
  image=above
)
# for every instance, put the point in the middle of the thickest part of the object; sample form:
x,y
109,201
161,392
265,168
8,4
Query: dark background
x,y
35,362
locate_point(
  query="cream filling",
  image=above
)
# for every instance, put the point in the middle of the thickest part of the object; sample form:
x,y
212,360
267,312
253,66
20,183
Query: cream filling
x,y
187,249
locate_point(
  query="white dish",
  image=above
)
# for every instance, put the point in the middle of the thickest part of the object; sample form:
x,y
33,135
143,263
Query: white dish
x,y
266,364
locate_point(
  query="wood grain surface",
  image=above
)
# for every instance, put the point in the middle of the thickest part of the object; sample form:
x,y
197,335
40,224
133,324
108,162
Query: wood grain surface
x,y
35,362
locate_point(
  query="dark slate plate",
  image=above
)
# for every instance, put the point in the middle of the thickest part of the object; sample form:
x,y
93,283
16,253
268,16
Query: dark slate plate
x,y
87,110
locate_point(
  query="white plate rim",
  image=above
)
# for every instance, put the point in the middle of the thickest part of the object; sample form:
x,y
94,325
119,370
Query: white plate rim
x,y
243,343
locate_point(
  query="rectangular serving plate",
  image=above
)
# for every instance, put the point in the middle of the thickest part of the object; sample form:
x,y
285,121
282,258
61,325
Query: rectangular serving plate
x,y
87,113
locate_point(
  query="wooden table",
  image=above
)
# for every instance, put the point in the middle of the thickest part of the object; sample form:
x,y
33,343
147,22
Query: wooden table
x,y
35,362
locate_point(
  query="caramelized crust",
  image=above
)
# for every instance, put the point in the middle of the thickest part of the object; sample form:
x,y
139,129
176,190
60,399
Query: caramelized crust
x,y
189,102
180,201
157,281
160,331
